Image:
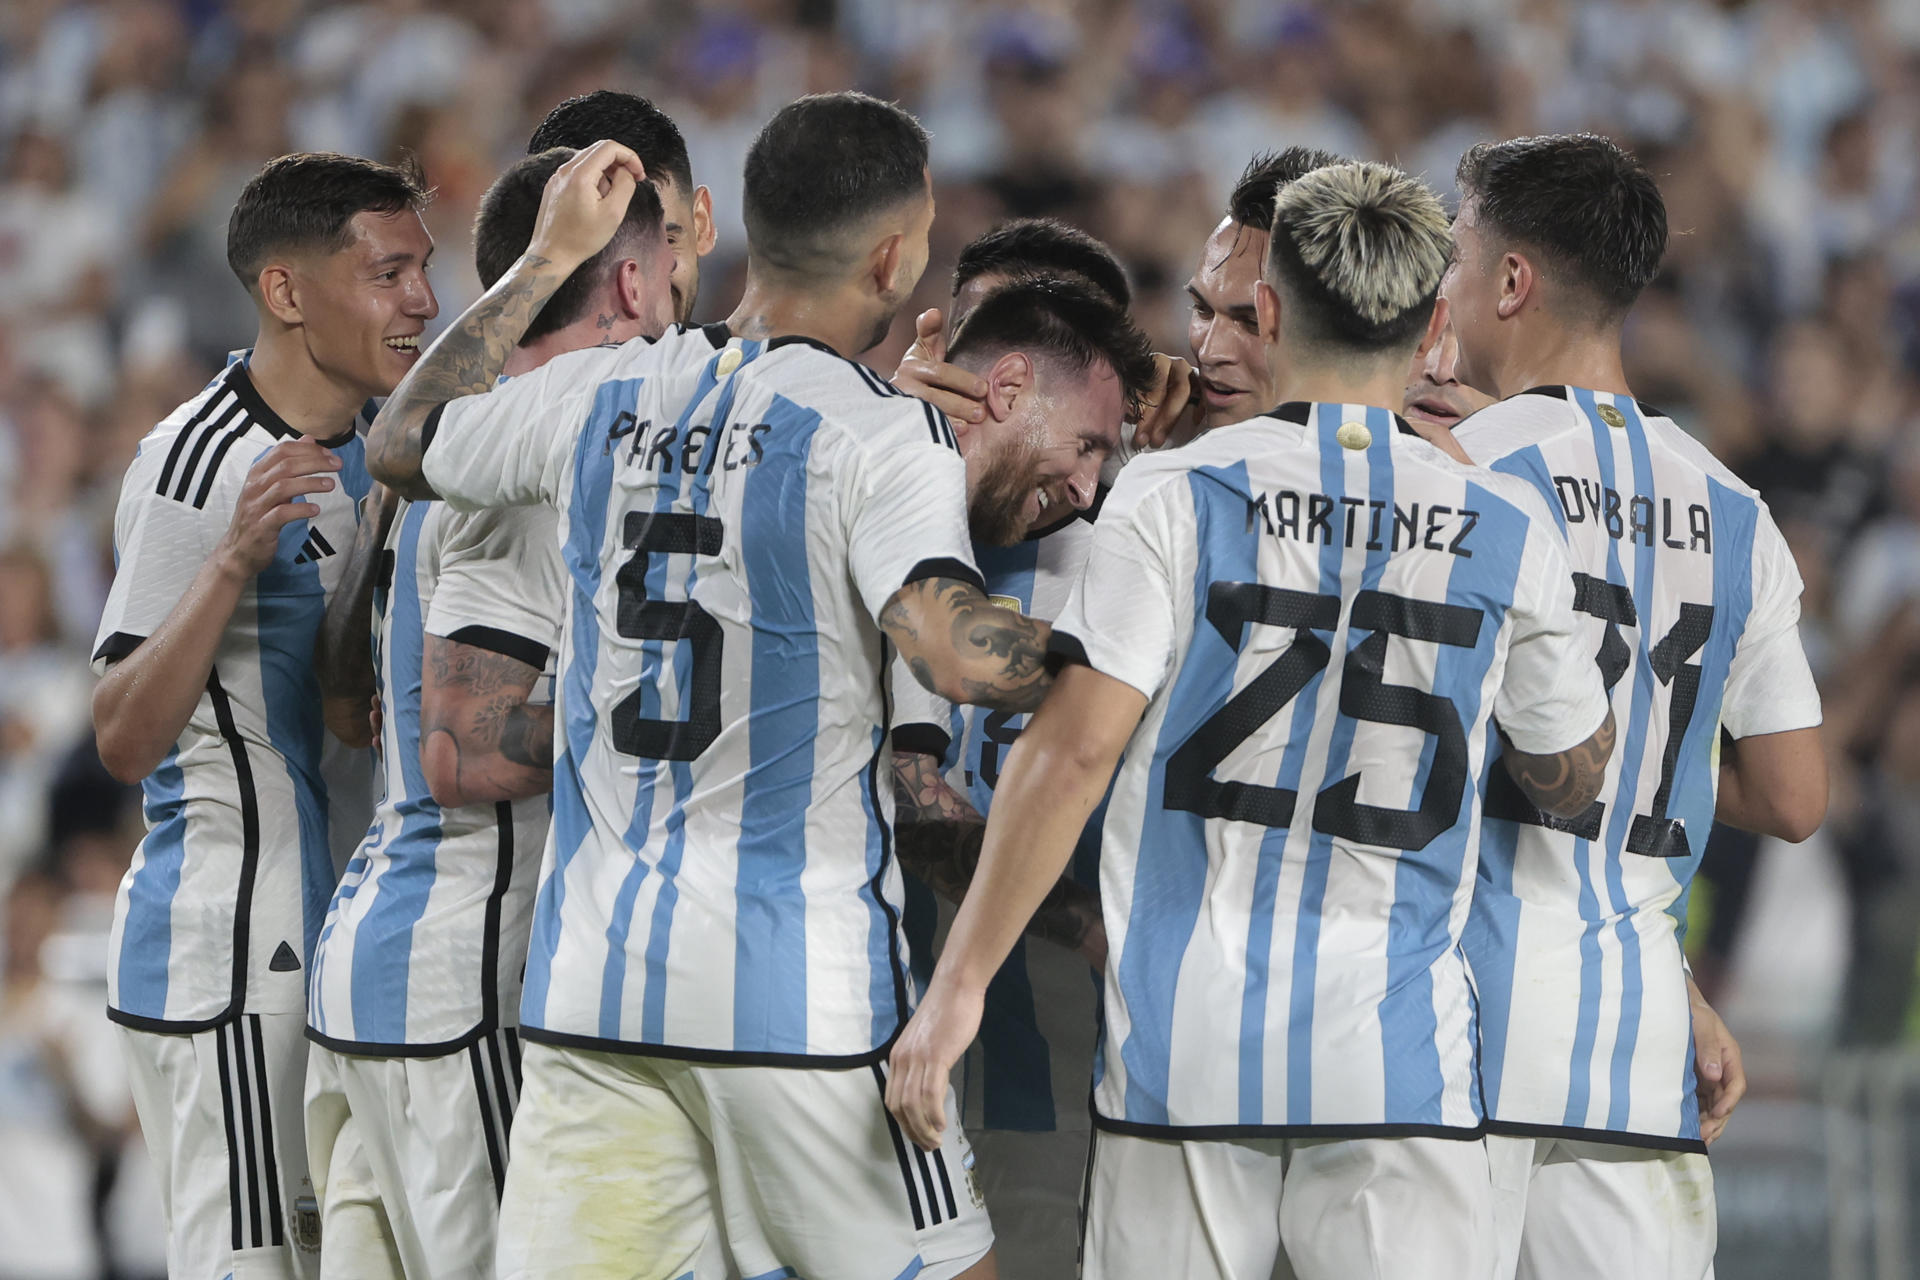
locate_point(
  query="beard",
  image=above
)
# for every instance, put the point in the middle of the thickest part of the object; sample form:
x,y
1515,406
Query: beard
x,y
997,511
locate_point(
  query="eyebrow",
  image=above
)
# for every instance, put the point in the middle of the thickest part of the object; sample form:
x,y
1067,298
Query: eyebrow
x,y
395,259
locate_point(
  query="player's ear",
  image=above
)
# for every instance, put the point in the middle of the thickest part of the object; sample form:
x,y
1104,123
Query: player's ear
x,y
630,289
1266,307
704,235
885,262
277,293
1517,283
1010,378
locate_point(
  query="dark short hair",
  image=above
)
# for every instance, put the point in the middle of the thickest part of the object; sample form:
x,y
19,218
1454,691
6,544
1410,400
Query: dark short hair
x,y
1044,246
825,164
304,201
1063,318
1251,204
1591,210
503,228
629,120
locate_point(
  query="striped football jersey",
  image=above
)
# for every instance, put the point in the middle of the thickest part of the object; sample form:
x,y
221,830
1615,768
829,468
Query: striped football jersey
x,y
1326,614
219,912
1689,602
1029,1067
719,881
423,945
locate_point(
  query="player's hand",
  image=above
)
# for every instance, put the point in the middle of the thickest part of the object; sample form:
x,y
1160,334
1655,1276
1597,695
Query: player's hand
x,y
287,471
924,372
923,1057
1173,413
375,721
584,204
1722,1080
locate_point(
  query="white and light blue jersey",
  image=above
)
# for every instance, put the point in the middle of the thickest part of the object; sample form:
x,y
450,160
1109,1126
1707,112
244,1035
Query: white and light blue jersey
x,y
1326,615
720,881
219,912
424,943
1689,603
1028,1069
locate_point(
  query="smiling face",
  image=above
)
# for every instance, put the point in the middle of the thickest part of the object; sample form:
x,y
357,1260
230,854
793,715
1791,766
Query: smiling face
x,y
1223,328
362,310
1026,470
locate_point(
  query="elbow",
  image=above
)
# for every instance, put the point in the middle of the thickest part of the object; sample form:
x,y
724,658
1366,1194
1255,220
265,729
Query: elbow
x,y
350,721
440,764
1797,815
1570,804
128,762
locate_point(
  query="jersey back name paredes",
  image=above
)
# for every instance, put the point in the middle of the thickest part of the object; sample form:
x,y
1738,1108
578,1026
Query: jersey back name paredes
x,y
1326,615
220,910
720,881
1688,602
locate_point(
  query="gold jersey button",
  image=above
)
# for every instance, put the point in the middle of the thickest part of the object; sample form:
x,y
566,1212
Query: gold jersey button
x,y
1353,435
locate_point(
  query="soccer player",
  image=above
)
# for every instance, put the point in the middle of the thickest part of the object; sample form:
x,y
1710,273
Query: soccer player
x,y
716,966
650,134
1301,630
416,988
228,533
1689,601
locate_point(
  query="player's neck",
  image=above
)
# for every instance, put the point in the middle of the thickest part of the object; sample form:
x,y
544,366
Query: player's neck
x,y
1557,356
1384,385
578,336
772,308
297,389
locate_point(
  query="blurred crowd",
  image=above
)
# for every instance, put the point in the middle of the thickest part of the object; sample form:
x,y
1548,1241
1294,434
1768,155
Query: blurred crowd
x,y
1784,330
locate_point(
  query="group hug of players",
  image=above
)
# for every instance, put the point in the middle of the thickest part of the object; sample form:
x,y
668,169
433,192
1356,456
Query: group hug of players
x,y
1345,771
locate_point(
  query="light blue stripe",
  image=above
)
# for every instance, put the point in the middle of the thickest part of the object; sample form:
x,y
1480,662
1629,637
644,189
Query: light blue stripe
x,y
770,906
884,999
1319,853
383,942
1530,464
146,940
586,531
1170,870
1491,939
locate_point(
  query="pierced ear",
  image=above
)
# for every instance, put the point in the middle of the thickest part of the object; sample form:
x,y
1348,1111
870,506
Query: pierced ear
x,y
1266,307
704,234
279,294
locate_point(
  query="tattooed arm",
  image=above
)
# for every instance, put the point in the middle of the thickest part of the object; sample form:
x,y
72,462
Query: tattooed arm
x,y
1565,782
966,648
938,836
479,740
577,218
343,656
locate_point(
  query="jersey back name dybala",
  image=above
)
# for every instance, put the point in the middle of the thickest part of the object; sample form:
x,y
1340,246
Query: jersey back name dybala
x,y
1689,602
720,881
218,914
1325,632
424,942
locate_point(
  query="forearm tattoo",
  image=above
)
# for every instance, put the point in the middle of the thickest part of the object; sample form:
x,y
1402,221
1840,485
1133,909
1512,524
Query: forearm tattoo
x,y
489,714
1565,782
1003,653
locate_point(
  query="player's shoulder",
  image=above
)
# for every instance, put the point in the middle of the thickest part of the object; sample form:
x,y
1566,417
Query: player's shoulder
x,y
1535,416
209,439
1668,436
867,410
502,532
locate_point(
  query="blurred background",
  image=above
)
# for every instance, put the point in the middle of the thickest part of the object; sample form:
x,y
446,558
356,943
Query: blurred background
x,y
1784,331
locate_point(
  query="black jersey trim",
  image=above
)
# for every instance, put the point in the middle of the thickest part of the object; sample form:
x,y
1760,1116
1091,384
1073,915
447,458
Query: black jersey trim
x,y
168,1026
900,1153
717,334
118,645
716,1057
376,1049
430,428
1064,649
216,395
801,339
1230,1132
876,885
1644,409
249,836
212,471
258,409
921,739
235,415
505,643
1608,1137
1557,392
1296,411
945,567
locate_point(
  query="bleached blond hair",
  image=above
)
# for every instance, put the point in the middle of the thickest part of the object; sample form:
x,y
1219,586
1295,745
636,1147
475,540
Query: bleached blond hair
x,y
1357,251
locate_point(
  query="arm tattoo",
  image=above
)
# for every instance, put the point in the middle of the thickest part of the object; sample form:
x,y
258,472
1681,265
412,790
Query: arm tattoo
x,y
1002,654
343,658
938,836
488,713
465,361
1566,782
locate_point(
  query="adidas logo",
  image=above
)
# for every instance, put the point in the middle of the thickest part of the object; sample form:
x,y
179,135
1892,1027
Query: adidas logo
x,y
316,547
284,961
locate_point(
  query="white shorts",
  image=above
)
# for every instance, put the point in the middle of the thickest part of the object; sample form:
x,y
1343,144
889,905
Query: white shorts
x,y
220,1113
1566,1210
1360,1209
409,1156
657,1169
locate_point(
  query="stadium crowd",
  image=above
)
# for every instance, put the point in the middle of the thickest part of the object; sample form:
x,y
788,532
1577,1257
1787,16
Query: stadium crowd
x,y
1784,330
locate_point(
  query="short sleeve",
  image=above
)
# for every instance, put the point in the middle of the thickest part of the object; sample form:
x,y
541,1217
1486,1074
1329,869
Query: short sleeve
x,y
159,545
1121,617
908,520
922,719
512,446
1551,696
1770,687
500,585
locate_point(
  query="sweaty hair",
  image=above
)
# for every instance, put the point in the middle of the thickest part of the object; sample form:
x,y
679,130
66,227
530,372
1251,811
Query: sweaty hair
x,y
303,202
1044,246
1357,253
629,120
1251,204
503,228
823,165
1590,209
1065,320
